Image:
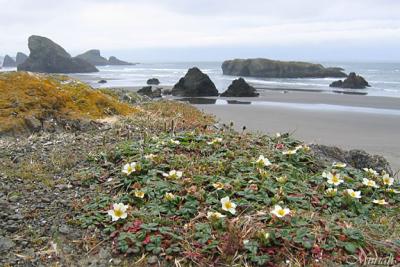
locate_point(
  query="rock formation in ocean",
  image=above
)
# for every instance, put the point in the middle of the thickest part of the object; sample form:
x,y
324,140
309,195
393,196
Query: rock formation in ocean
x,y
267,68
116,61
195,83
153,81
240,88
9,62
94,57
49,57
353,81
148,91
20,58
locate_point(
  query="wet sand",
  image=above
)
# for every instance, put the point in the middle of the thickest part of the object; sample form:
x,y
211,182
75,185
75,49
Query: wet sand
x,y
346,121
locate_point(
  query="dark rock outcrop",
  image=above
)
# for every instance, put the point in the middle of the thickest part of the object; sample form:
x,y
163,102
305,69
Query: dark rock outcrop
x,y
21,58
240,88
353,81
47,56
195,83
267,68
358,159
153,81
148,91
102,81
116,61
9,62
93,57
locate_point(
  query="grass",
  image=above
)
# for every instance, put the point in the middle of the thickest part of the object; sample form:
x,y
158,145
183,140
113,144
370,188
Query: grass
x,y
25,95
320,229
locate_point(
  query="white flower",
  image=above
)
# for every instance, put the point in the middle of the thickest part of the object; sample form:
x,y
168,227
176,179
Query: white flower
x,y
353,194
333,178
245,242
281,179
280,212
118,212
331,192
130,168
218,185
370,183
380,201
387,180
139,194
175,142
227,205
339,165
278,135
150,157
214,216
262,161
391,190
215,141
371,171
266,235
169,196
173,174
290,152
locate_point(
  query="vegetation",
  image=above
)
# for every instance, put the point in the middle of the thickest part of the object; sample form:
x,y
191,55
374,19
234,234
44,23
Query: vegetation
x,y
27,95
207,198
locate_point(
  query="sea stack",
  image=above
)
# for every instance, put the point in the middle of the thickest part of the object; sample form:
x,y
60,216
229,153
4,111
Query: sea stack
x,y
9,62
116,61
240,88
353,81
266,68
49,57
21,58
94,57
195,83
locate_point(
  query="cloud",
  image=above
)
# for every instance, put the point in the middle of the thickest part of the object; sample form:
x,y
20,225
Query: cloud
x,y
163,24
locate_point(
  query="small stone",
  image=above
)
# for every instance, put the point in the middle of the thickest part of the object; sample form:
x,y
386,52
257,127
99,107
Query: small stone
x,y
64,229
6,244
152,260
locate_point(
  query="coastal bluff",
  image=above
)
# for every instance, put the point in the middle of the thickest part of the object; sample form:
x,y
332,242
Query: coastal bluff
x,y
94,57
266,68
48,57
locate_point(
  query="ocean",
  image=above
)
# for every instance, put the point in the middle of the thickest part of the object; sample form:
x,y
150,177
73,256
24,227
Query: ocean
x,y
384,78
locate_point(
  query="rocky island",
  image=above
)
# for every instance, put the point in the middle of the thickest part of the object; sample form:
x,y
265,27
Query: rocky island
x,y
94,57
266,68
9,62
353,81
240,88
195,83
48,57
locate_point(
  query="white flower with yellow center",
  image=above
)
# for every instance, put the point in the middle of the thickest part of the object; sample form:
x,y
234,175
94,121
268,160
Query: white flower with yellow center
x,y
150,157
218,185
169,196
215,141
228,205
331,192
387,180
139,194
353,194
280,212
339,165
290,152
214,216
371,171
370,183
392,190
333,178
380,201
174,142
173,174
118,211
130,168
281,179
262,161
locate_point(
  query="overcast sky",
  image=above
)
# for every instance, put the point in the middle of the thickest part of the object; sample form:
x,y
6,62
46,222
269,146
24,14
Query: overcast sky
x,y
165,30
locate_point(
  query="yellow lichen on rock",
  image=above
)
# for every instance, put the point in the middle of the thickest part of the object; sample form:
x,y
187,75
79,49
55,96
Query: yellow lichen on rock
x,y
27,97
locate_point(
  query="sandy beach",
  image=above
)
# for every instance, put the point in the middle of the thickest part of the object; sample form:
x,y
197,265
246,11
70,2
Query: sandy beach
x,y
346,121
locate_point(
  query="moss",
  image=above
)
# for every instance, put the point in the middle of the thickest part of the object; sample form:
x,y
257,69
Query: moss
x,y
24,95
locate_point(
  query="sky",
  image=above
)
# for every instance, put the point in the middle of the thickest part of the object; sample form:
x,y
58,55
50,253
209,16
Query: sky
x,y
207,30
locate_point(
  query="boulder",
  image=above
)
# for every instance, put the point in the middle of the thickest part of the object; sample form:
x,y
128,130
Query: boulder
x,y
353,81
148,91
116,61
240,88
195,83
266,68
358,159
9,62
102,81
48,57
93,57
153,81
21,58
